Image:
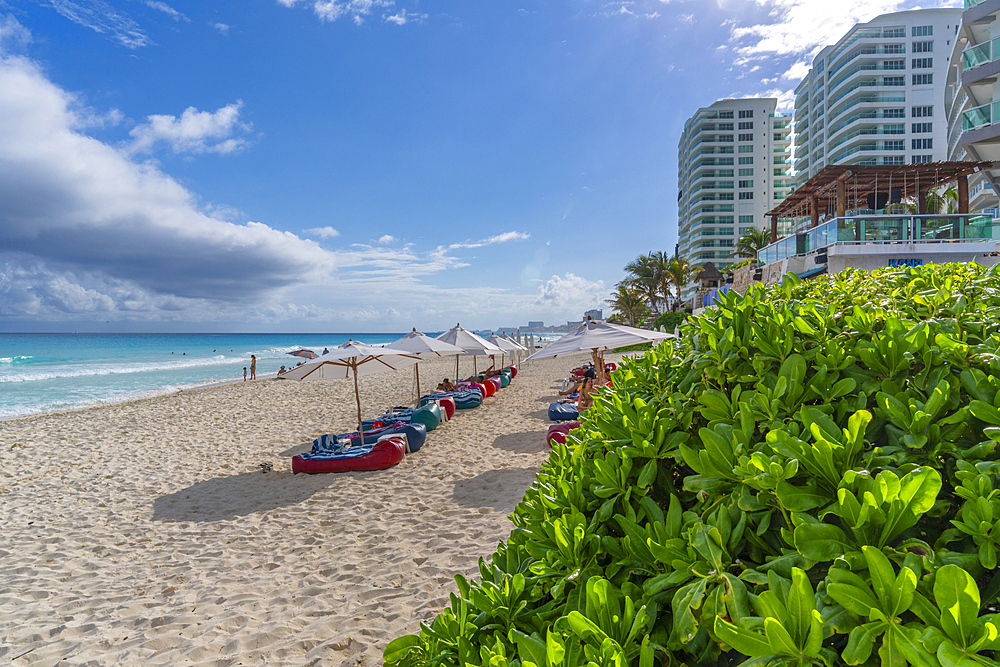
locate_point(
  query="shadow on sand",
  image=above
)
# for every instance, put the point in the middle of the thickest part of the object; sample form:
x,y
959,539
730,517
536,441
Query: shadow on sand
x,y
500,489
529,442
223,498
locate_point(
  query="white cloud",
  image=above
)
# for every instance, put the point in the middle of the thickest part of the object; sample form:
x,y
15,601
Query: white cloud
x,y
403,17
13,36
386,239
76,210
221,27
571,293
499,238
194,132
167,9
324,232
357,10
103,19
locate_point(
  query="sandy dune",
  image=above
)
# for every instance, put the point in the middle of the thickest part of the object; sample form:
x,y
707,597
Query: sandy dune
x,y
144,533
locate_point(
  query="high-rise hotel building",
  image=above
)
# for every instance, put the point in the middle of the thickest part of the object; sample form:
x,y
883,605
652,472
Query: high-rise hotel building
x,y
877,95
972,100
732,168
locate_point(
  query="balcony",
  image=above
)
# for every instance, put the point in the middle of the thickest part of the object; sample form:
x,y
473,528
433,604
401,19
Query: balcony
x,y
873,99
863,68
972,3
980,116
980,54
898,82
891,131
884,229
887,50
895,146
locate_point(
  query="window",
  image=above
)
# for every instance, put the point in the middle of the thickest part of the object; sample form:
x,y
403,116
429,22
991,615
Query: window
x,y
921,128
894,113
725,243
779,172
746,160
746,125
725,220
746,195
725,126
922,31
746,184
744,230
894,32
779,160
727,138
745,220
921,144
923,63
893,145
896,128
893,81
746,113
778,136
894,48
725,114
746,172
923,79
922,112
923,47
895,159
920,159
894,64
746,149
746,136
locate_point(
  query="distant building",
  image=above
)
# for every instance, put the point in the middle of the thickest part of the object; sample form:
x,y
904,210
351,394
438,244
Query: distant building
x,y
534,326
877,96
594,314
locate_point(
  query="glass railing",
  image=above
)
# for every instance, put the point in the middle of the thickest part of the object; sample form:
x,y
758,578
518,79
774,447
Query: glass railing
x,y
884,229
974,56
986,114
972,3
877,99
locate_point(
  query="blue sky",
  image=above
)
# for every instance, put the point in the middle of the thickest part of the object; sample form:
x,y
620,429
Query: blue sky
x,y
358,165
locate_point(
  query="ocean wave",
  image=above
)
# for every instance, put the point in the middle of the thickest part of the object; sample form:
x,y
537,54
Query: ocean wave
x,y
79,370
17,411
10,360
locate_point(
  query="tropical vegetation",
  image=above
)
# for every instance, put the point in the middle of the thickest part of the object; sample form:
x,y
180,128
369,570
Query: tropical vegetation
x,y
629,304
658,277
750,242
808,475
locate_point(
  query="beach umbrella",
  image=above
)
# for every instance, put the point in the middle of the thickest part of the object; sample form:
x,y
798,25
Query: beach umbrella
x,y
520,348
352,358
425,347
595,336
504,345
305,354
472,344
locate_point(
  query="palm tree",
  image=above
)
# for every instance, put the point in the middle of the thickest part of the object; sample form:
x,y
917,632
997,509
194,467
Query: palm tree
x,y
680,273
941,203
643,276
751,242
629,302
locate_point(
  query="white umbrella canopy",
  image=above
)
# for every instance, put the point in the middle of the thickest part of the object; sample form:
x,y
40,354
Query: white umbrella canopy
x,y
425,347
596,337
470,342
520,348
504,344
352,358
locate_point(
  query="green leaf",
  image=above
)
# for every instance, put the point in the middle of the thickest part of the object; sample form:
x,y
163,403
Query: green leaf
x,y
777,636
860,643
985,412
821,541
957,596
531,648
744,641
801,602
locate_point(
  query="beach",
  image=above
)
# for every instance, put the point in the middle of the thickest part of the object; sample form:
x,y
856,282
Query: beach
x,y
145,532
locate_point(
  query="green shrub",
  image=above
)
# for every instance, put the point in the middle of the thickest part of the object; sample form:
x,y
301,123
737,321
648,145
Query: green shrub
x,y
808,476
669,321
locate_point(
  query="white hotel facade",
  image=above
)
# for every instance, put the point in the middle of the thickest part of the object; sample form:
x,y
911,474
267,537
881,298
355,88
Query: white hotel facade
x,y
732,167
877,95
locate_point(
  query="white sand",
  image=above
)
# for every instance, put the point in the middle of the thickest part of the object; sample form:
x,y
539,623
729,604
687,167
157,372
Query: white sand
x,y
143,533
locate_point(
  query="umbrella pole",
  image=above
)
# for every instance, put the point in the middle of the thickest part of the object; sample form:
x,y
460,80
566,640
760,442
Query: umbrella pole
x,y
357,397
474,370
456,368
416,371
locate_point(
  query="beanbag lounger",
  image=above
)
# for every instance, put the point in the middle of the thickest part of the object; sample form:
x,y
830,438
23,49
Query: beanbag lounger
x,y
497,384
504,379
488,388
429,415
513,371
611,366
558,432
378,455
416,433
464,400
447,404
562,412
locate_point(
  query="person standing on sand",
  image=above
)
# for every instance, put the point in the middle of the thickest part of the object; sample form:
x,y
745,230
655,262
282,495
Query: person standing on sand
x,y
244,373
253,367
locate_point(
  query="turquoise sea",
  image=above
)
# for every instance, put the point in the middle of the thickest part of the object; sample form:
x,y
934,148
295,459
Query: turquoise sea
x,y
46,372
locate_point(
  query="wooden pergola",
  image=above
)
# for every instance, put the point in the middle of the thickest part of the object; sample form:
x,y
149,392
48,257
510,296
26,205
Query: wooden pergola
x,y
844,186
